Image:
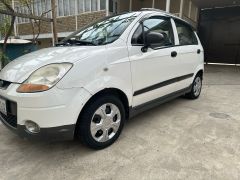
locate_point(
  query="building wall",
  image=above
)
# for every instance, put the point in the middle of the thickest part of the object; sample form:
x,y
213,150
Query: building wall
x,y
44,43
186,7
123,6
175,6
136,5
160,4
68,23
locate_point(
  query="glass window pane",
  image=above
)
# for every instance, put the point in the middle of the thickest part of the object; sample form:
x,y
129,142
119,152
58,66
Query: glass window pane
x,y
102,4
43,5
35,11
48,7
87,5
39,7
60,7
185,34
80,6
72,7
66,7
94,5
155,24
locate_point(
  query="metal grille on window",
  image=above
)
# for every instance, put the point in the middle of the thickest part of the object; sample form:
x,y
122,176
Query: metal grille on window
x,y
64,8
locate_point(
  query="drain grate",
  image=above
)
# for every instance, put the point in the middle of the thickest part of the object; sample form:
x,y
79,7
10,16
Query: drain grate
x,y
220,115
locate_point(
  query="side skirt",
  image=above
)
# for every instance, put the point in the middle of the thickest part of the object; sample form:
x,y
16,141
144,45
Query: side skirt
x,y
133,111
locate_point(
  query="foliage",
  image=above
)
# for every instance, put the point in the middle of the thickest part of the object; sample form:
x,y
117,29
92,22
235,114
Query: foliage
x,y
4,26
4,59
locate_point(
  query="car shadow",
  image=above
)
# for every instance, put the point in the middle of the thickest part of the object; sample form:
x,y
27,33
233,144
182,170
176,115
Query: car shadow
x,y
38,151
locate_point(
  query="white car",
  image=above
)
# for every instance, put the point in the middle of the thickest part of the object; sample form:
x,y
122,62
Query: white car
x,y
101,75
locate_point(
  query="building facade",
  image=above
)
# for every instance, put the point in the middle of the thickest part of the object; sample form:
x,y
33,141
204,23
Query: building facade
x,y
74,14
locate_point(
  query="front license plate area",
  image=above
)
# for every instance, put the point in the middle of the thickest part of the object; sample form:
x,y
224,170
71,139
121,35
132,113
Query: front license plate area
x,y
3,106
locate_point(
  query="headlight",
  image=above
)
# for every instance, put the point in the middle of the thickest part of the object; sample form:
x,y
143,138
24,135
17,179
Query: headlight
x,y
44,78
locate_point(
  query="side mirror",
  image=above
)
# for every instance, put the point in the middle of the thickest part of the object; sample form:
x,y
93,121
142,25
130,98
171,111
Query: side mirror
x,y
153,40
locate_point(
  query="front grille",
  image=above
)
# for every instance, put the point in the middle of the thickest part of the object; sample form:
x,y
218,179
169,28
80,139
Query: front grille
x,y
11,117
4,84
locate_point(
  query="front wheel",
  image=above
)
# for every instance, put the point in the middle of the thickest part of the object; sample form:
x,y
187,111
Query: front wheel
x,y
101,122
196,87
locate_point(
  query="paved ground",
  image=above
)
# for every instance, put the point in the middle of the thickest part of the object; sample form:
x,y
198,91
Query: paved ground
x,y
182,139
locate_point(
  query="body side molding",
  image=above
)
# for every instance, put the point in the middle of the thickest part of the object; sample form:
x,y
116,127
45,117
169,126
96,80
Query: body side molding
x,y
162,84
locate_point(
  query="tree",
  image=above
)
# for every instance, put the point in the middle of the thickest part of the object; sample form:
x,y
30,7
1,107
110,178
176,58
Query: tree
x,y
4,26
35,21
8,31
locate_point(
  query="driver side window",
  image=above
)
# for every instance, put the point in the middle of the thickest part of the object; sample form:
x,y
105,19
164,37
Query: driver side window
x,y
155,24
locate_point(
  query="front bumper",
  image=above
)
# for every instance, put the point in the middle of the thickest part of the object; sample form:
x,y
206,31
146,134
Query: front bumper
x,y
55,111
61,133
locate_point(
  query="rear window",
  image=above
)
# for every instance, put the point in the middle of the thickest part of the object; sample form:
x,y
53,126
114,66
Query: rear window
x,y
186,34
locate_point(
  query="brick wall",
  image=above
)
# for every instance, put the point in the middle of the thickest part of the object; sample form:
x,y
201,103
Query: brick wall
x,y
67,24
88,18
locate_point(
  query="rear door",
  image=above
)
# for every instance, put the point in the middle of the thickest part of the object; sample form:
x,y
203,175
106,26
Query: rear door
x,y
189,52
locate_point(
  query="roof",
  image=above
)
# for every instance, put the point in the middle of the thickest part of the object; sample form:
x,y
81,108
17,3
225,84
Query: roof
x,y
16,41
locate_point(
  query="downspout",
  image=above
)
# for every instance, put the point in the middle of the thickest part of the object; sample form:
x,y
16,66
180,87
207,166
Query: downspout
x,y
107,7
167,5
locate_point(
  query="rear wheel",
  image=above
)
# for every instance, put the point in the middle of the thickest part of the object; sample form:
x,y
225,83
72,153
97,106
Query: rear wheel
x,y
101,122
196,87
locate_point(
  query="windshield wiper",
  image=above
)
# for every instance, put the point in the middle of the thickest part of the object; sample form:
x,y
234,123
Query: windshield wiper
x,y
82,42
71,42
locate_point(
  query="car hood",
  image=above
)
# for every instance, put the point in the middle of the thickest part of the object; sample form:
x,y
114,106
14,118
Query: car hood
x,y
20,69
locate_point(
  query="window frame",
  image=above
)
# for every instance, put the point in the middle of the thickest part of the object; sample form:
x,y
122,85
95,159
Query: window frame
x,y
157,17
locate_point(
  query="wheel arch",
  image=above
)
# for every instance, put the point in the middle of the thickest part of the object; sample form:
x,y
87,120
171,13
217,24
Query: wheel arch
x,y
113,91
200,72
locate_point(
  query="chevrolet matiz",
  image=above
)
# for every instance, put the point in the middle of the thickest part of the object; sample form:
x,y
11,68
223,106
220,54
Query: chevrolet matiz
x,y
91,82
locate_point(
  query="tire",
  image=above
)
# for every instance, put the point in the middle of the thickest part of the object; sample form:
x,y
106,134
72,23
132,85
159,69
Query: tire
x,y
196,88
101,122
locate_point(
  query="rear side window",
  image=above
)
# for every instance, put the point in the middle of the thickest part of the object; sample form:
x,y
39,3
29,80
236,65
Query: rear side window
x,y
186,34
155,24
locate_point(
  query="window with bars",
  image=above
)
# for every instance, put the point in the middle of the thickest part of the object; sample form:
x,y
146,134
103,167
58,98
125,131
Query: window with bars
x,y
72,7
64,8
38,8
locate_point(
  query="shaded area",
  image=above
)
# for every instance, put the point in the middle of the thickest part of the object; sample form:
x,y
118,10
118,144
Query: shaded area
x,y
219,33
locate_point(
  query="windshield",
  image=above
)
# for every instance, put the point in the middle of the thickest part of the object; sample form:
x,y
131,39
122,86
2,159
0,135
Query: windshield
x,y
100,33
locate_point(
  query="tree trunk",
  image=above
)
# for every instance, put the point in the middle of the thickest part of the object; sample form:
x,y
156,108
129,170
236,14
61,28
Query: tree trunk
x,y
9,32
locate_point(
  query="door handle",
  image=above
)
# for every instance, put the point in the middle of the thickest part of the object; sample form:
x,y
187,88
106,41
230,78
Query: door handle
x,y
198,51
174,54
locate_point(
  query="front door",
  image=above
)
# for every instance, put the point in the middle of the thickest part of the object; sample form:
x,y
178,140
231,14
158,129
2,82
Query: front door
x,y
153,72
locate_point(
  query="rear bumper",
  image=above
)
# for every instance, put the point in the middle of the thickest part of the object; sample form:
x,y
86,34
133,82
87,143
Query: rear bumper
x,y
60,133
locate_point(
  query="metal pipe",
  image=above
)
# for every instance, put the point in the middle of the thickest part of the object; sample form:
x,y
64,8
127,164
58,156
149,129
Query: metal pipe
x,y
168,5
